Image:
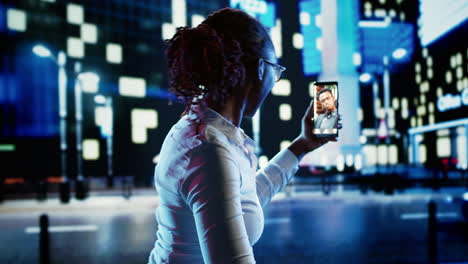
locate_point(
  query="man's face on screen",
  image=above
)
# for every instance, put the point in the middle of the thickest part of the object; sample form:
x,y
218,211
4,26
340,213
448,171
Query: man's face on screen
x,y
327,100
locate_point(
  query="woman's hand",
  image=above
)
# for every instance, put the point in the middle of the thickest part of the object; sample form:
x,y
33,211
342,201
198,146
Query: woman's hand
x,y
307,141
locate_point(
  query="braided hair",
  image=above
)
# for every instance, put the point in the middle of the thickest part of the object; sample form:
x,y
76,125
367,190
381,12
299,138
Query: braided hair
x,y
216,59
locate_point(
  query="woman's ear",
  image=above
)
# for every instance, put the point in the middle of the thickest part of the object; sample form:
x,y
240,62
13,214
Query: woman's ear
x,y
261,68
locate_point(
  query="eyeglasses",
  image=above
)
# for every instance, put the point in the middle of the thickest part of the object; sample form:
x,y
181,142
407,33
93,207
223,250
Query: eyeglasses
x,y
278,69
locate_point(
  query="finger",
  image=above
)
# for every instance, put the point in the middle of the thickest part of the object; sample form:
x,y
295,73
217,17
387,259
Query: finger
x,y
309,111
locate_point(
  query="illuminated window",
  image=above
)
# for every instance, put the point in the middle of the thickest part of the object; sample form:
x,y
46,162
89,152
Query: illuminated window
x,y
16,19
421,110
459,72
89,33
358,162
418,78
431,107
304,18
275,34
285,112
443,132
422,153
90,149
420,121
102,115
429,61
382,1
298,41
439,92
168,31
393,152
368,13
262,161
402,16
461,151
448,77
382,151
142,120
197,19
459,59
75,47
425,53
453,62
75,14
282,88
360,114
392,13
431,119
417,67
370,154
318,43
443,147
284,144
430,73
357,59
349,160
131,86
179,16
340,162
395,103
379,12
114,53
413,121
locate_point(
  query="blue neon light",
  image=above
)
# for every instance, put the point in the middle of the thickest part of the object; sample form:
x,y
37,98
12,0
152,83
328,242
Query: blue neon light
x,y
440,17
311,55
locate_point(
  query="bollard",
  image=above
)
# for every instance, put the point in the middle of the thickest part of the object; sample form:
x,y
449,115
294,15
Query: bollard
x,y
64,191
432,232
44,248
81,189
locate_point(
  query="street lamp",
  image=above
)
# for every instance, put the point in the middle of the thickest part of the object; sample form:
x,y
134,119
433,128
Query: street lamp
x,y
60,60
85,81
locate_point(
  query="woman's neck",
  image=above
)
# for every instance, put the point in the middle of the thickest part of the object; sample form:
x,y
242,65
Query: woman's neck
x,y
232,110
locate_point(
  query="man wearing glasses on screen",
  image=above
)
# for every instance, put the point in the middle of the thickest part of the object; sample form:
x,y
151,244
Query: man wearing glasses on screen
x,y
329,119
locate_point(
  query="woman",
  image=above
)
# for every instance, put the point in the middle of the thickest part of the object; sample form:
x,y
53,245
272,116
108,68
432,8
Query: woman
x,y
211,197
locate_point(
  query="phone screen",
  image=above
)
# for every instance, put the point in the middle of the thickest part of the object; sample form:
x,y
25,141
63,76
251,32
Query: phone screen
x,y
326,115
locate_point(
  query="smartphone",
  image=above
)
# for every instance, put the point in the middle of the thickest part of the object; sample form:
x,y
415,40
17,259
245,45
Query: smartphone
x,y
326,114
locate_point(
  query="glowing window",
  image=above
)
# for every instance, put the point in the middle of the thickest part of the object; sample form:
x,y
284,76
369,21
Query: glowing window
x,y
75,47
459,59
196,20
382,151
395,103
142,120
431,119
282,88
16,19
443,147
431,107
275,34
380,12
75,14
285,112
422,153
304,18
459,72
360,114
90,149
298,41
340,162
453,62
393,152
114,53
179,16
430,73
168,30
131,86
89,33
284,144
462,151
370,154
448,77
102,115
262,161
357,59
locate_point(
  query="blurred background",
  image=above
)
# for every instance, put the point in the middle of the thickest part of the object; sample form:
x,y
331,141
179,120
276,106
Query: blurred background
x,y
84,109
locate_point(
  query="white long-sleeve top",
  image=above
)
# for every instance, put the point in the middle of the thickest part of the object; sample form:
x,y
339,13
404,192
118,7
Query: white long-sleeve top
x,y
211,196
